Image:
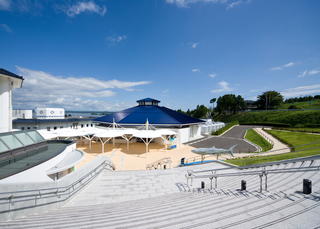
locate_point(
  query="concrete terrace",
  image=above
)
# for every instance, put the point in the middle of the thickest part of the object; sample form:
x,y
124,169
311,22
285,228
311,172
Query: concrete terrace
x,y
162,199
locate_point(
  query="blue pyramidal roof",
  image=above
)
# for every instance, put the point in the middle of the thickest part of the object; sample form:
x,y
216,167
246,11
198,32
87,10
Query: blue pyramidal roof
x,y
155,114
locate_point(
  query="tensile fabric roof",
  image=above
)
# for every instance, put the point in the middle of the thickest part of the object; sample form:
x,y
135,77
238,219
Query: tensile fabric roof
x,y
156,115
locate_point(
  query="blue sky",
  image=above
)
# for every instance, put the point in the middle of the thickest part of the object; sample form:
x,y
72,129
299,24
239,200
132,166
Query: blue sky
x,y
106,54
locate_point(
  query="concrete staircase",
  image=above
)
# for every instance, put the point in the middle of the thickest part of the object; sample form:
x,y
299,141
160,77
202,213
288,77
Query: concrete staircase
x,y
161,199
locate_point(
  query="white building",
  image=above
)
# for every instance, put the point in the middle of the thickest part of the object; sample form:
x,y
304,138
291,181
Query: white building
x,y
52,124
24,114
8,81
49,113
185,127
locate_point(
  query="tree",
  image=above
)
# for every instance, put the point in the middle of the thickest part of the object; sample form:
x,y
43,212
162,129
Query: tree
x,y
200,112
269,100
213,100
230,104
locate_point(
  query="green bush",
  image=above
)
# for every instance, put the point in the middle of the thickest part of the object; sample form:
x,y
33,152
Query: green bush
x,y
227,127
293,107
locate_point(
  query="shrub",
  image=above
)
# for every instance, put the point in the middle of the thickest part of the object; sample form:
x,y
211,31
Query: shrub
x,y
293,107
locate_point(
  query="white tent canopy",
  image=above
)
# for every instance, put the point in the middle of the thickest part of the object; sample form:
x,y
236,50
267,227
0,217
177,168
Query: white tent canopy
x,y
106,134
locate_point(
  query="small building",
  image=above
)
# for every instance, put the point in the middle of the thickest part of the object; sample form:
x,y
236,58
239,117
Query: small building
x,y
52,124
148,110
23,114
251,105
8,81
49,113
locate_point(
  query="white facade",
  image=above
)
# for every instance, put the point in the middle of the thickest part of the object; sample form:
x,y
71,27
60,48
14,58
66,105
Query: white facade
x,y
7,83
52,124
186,134
49,113
23,114
211,126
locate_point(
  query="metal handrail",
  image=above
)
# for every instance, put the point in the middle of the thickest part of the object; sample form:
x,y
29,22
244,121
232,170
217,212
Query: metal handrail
x,y
261,173
166,160
56,189
261,165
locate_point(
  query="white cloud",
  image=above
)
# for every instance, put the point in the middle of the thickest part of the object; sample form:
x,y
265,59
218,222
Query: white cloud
x,y
82,7
301,91
309,73
234,4
194,45
212,75
44,89
187,3
5,4
224,87
195,70
281,67
116,39
5,28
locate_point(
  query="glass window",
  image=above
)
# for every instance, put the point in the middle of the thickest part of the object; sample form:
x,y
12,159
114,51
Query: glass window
x,y
24,138
3,147
11,141
35,136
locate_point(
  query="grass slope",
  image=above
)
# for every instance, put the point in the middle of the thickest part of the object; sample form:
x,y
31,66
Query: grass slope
x,y
225,128
257,139
303,118
294,139
314,104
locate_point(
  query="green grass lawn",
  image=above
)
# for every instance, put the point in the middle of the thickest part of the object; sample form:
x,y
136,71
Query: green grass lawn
x,y
303,129
314,104
294,139
256,138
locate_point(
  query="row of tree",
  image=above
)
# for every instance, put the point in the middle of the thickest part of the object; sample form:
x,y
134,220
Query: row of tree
x,y
232,104
302,99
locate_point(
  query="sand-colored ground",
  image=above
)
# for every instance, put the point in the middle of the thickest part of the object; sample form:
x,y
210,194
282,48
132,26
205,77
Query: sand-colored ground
x,y
136,158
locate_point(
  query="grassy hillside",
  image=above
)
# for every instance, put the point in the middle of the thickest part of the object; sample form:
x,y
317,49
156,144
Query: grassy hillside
x,y
293,139
314,104
303,118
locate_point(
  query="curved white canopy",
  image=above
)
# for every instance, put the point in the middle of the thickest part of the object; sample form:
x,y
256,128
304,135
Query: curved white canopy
x,y
147,134
110,133
166,132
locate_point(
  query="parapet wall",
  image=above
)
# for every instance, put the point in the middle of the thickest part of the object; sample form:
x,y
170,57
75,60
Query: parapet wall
x,y
17,200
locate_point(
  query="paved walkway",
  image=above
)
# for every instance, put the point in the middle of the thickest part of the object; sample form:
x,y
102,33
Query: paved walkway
x,y
278,147
234,136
